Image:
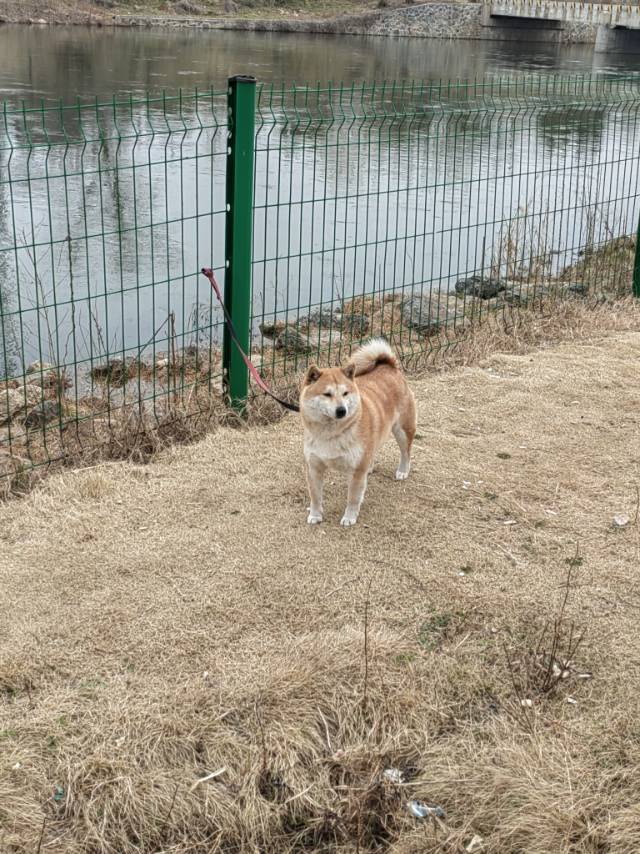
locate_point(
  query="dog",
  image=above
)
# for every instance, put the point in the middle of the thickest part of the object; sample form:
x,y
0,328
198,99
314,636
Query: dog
x,y
348,413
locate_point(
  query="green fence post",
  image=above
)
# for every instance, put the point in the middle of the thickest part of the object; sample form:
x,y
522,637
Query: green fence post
x,y
636,265
241,101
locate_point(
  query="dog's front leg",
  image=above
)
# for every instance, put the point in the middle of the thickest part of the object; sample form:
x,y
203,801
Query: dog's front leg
x,y
315,478
357,487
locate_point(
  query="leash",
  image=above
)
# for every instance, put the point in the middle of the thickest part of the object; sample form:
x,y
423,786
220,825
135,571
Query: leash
x,y
292,407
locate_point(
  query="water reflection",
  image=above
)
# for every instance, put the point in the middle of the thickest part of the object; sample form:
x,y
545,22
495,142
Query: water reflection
x,y
61,62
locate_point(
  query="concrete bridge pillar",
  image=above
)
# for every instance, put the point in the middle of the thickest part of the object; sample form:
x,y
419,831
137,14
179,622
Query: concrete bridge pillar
x,y
609,39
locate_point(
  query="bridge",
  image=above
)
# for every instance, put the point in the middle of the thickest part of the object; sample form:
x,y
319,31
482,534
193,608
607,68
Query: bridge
x,y
617,24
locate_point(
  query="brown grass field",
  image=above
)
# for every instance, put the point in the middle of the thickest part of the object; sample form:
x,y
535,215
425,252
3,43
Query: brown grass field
x,y
186,666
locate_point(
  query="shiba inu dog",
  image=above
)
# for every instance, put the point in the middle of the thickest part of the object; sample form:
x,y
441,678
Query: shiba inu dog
x,y
347,414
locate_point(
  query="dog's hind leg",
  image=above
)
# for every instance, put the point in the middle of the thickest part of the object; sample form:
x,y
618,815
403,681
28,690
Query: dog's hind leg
x,y
404,430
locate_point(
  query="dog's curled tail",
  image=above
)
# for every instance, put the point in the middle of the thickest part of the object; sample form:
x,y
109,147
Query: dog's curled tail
x,y
373,353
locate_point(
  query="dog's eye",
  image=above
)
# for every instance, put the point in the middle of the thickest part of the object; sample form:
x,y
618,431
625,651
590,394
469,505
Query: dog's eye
x,y
327,394
345,393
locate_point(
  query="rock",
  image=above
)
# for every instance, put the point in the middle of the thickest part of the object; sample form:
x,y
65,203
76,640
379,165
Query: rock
x,y
45,411
189,8
513,297
161,362
36,379
426,314
116,372
46,377
331,320
328,318
273,329
325,340
522,293
484,287
291,340
230,7
39,367
325,318
578,289
14,400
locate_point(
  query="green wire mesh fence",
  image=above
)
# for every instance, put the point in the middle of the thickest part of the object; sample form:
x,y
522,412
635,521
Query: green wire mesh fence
x,y
408,209
105,211
412,210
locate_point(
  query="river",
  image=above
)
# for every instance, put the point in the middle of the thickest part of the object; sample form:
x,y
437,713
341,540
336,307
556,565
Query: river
x,y
63,62
102,235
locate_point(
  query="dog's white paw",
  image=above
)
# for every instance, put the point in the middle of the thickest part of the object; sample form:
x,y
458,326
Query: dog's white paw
x,y
402,475
314,518
348,520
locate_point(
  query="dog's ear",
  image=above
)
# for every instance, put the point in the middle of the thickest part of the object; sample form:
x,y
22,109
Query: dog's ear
x,y
349,371
313,374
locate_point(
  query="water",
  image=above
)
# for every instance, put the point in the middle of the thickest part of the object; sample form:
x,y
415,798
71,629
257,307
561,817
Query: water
x,y
61,62
97,264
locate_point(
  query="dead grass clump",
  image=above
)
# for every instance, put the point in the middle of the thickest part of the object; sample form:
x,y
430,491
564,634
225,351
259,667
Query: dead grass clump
x,y
604,269
130,431
522,331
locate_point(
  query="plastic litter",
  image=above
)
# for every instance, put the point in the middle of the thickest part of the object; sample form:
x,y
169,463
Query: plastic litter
x,y
421,810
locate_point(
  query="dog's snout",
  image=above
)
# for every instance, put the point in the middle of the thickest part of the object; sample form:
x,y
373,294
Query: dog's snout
x,y
341,412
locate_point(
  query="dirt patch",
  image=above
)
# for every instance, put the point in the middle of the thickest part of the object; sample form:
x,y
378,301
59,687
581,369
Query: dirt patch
x,y
186,666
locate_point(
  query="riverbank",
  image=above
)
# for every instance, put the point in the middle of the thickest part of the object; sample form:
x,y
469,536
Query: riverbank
x,y
133,406
255,14
440,20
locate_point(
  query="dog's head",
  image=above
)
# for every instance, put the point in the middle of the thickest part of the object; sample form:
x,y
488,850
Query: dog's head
x,y
329,394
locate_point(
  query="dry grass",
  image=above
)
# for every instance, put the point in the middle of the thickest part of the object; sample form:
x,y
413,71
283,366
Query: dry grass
x,y
94,11
184,406
164,624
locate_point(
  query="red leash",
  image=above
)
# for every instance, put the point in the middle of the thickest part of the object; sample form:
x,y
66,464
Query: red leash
x,y
292,407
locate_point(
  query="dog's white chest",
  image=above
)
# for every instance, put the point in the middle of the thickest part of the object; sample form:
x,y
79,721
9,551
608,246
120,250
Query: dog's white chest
x,y
337,452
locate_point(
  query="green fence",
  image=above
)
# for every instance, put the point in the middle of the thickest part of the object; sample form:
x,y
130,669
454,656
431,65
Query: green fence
x,y
330,214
